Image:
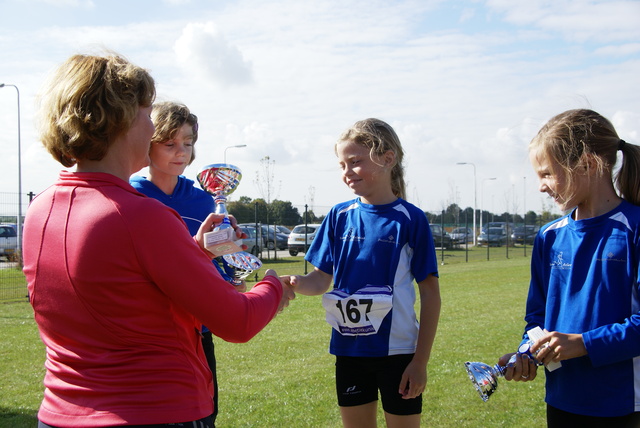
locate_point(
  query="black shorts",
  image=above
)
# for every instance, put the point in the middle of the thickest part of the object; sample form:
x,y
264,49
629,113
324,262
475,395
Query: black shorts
x,y
358,380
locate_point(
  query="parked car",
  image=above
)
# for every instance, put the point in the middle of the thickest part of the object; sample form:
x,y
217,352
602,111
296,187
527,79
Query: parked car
x,y
503,224
522,234
8,241
441,238
282,229
281,240
254,244
297,243
462,235
493,237
270,239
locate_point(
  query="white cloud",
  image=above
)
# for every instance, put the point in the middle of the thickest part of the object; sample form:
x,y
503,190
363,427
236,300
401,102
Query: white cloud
x,y
204,52
621,50
577,20
459,81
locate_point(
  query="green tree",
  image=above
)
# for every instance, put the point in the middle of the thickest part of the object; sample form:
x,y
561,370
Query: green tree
x,y
283,213
531,217
243,210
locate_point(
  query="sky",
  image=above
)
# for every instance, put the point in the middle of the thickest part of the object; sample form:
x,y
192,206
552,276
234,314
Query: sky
x,y
460,81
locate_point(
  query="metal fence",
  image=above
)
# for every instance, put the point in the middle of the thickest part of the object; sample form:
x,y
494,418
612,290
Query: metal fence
x,y
13,286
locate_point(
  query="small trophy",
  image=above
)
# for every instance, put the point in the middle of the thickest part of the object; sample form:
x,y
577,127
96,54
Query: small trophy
x,y
220,180
485,378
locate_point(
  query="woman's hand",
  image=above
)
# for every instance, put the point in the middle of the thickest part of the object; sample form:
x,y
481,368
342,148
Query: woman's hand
x,y
287,290
212,221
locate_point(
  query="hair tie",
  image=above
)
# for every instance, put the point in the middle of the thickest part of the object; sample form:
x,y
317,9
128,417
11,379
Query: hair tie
x,y
621,144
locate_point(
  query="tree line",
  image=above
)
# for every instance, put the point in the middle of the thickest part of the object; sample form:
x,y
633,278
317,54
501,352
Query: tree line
x,y
453,214
247,210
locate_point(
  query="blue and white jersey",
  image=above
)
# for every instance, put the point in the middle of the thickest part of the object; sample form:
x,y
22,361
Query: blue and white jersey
x,y
377,247
584,280
193,204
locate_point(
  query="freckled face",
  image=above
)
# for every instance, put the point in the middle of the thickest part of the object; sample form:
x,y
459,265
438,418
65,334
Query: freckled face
x,y
365,178
173,156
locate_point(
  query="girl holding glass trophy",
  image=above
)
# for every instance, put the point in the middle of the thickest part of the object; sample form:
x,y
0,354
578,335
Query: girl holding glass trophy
x,y
585,284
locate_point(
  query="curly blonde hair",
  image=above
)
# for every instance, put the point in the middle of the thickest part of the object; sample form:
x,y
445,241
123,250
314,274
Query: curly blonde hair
x,y
88,103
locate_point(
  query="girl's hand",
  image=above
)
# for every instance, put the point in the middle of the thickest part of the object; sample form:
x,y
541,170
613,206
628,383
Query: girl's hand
x,y
239,233
241,287
522,369
414,381
554,346
291,280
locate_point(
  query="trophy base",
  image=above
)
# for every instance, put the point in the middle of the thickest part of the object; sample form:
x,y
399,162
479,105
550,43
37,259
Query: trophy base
x,y
219,243
244,263
484,378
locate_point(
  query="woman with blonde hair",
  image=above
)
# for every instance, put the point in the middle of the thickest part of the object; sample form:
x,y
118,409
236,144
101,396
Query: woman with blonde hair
x,y
118,286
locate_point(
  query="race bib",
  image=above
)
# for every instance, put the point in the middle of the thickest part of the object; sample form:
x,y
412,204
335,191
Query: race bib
x,y
358,314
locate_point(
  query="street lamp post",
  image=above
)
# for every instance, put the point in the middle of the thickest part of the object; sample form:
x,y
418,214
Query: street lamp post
x,y
524,216
475,197
231,147
19,222
482,204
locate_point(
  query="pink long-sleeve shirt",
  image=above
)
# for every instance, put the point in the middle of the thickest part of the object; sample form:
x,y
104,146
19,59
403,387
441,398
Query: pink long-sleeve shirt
x,y
119,290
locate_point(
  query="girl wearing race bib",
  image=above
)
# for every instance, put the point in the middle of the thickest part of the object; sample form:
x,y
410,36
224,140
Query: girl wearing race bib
x,y
375,248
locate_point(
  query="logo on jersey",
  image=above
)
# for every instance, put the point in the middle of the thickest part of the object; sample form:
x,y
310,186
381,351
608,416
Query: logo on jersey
x,y
351,236
560,263
388,240
611,257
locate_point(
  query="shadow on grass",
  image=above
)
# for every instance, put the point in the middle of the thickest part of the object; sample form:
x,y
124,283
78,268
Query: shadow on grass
x,y
15,419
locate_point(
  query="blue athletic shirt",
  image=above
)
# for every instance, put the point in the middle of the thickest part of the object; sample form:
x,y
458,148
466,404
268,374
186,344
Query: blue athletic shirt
x,y
193,204
584,279
378,245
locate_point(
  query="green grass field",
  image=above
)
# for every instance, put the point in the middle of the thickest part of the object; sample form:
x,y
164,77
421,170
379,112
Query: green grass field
x,y
284,376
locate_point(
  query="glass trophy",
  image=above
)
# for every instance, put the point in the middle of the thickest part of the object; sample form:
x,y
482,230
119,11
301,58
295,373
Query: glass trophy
x,y
485,377
220,180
